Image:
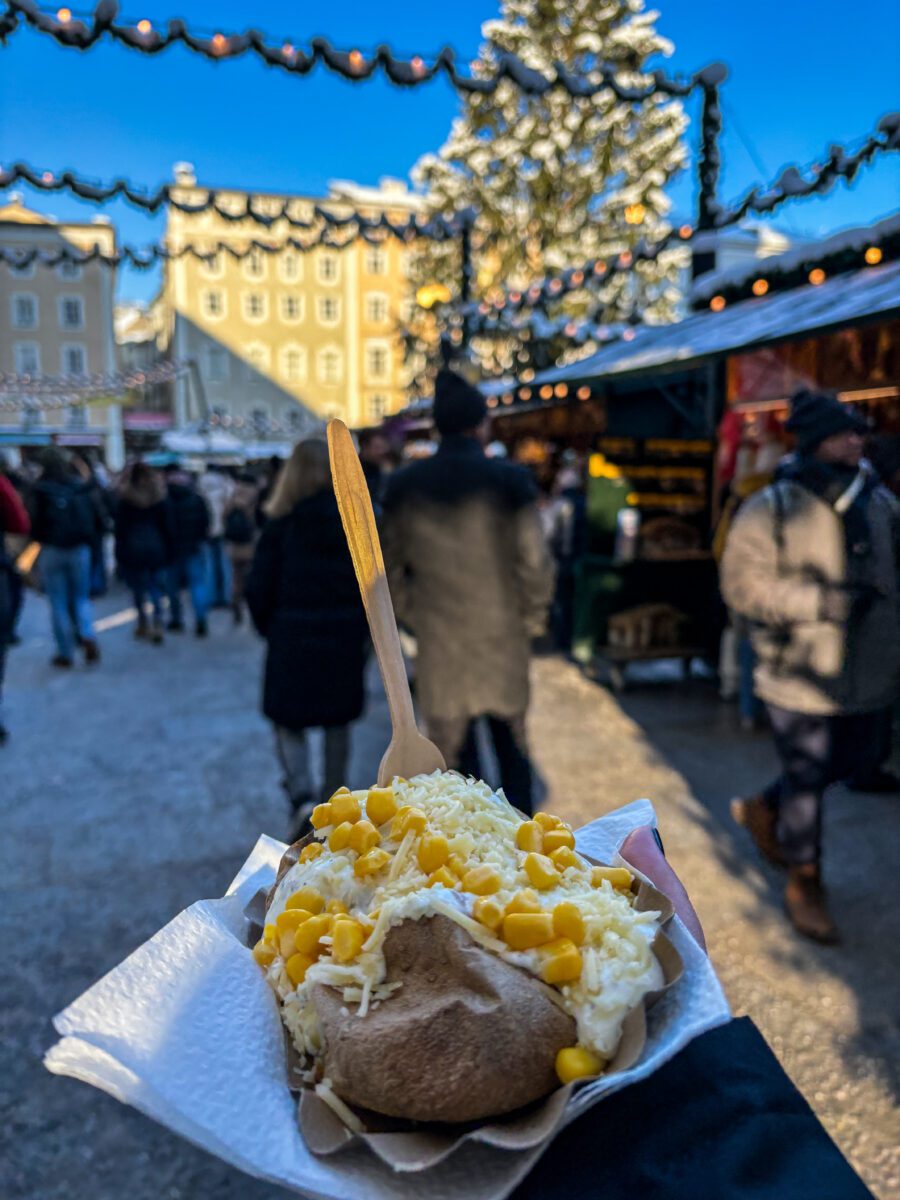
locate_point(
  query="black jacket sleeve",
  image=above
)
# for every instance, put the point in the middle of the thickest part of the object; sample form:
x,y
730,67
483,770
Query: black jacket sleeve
x,y
262,582
720,1120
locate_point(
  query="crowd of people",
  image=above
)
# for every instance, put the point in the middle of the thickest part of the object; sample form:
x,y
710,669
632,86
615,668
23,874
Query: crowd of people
x,y
479,564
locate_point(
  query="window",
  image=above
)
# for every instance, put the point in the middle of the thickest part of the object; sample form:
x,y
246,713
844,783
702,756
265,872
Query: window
x,y
73,360
377,407
213,304
213,268
257,358
24,311
68,269
25,271
71,312
217,367
376,307
407,309
27,358
292,307
330,365
293,364
290,267
76,416
376,261
255,265
255,306
329,309
406,263
327,268
378,361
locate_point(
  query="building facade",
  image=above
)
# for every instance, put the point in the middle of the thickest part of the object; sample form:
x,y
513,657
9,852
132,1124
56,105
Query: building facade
x,y
283,340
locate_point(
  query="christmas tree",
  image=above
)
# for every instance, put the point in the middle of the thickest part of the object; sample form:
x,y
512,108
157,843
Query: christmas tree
x,y
556,180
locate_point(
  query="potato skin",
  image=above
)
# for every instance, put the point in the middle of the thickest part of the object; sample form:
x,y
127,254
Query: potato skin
x,y
467,1036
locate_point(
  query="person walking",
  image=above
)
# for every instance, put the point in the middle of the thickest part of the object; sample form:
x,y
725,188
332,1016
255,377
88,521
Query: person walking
x,y
239,532
216,488
189,521
304,600
64,520
471,577
144,544
15,523
811,562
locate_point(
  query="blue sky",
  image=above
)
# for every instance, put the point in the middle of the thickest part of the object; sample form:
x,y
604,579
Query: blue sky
x,y
802,75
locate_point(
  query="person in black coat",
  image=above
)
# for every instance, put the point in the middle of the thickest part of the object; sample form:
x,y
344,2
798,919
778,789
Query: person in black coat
x,y
304,600
190,568
144,544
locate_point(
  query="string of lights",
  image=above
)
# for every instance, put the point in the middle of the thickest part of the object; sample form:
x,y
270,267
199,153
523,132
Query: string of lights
x,y
795,183
39,392
145,258
222,203
144,37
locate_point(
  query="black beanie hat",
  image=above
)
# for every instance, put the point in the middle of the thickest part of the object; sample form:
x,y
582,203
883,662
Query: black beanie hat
x,y
815,416
458,407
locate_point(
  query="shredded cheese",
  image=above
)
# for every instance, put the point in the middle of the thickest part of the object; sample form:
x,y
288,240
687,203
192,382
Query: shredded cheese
x,y
326,1092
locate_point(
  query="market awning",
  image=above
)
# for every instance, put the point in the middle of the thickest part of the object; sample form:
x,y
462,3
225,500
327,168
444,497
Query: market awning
x,y
841,301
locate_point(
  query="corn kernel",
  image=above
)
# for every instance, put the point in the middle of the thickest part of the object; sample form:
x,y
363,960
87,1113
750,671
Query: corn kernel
x,y
483,881
373,862
306,938
306,897
364,837
380,805
458,865
313,850
433,852
575,1062
563,962
344,807
291,918
336,906
320,816
442,875
347,938
564,857
547,820
568,922
270,933
405,819
286,945
530,836
264,953
488,911
339,839
524,931
619,877
554,838
541,871
297,966
525,901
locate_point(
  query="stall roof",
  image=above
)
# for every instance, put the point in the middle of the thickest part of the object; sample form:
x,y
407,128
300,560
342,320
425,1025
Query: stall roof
x,y
804,311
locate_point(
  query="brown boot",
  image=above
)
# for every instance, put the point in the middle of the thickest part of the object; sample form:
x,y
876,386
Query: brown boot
x,y
91,650
759,819
804,903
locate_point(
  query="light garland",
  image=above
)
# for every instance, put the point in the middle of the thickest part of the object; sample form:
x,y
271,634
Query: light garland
x,y
351,65
58,391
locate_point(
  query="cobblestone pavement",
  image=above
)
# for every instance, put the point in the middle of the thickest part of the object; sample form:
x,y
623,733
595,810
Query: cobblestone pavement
x,y
131,790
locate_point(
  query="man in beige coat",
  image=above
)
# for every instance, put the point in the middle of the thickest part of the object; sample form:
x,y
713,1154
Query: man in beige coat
x,y
471,576
811,561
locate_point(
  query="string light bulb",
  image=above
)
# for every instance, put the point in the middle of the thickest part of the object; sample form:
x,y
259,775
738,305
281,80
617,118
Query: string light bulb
x,y
561,391
685,232
625,258
583,393
634,214
760,287
64,16
546,392
816,276
524,393
144,27
628,335
717,303
874,256
600,267
418,66
218,42
357,62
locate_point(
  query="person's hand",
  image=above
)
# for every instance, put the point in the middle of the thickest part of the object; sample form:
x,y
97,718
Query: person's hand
x,y
642,850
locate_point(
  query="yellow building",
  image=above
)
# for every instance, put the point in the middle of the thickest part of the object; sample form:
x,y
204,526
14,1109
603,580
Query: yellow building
x,y
288,337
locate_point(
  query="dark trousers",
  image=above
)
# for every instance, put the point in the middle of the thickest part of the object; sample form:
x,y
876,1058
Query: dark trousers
x,y
457,739
815,751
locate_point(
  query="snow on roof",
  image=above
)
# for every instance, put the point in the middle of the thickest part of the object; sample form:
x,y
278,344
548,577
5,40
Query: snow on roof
x,y
848,239
874,291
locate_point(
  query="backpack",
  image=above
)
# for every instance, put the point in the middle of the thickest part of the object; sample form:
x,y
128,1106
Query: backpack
x,y
238,527
70,516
